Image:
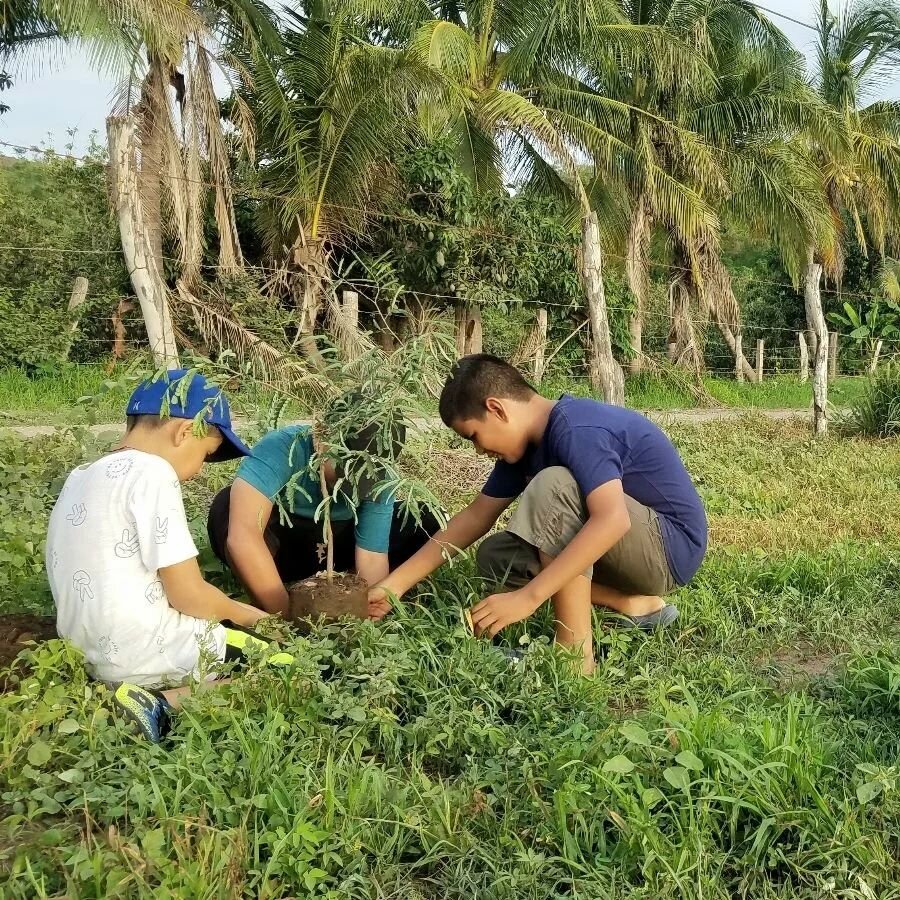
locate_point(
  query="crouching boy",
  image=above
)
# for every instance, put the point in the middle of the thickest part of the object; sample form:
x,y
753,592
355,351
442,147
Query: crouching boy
x,y
607,515
122,563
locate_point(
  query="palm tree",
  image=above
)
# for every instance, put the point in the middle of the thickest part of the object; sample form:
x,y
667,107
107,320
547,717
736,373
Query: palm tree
x,y
168,142
770,184
861,173
731,116
330,111
166,135
519,96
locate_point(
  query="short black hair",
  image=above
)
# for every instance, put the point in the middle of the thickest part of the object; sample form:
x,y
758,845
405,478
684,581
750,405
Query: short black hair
x,y
149,422
371,440
475,378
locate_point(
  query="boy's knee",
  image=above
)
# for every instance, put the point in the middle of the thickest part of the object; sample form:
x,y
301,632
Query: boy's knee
x,y
491,557
552,482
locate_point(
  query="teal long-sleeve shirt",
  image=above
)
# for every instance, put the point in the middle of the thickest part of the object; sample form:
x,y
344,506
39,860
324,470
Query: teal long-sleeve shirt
x,y
284,453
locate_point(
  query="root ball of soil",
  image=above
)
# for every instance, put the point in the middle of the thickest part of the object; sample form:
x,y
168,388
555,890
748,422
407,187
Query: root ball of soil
x,y
316,597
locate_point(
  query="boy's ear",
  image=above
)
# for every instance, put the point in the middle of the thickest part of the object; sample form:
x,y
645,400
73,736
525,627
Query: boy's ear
x,y
183,429
495,406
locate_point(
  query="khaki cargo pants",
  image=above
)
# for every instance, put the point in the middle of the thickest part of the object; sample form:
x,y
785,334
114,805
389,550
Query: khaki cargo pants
x,y
550,512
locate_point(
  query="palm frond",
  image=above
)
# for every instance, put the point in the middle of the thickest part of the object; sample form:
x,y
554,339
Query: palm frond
x,y
269,364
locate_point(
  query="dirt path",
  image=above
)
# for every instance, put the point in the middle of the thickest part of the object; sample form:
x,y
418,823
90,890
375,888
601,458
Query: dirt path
x,y
663,416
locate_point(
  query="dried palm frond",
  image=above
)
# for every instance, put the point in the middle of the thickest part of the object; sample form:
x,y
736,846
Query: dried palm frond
x,y
686,348
274,367
351,343
686,382
207,132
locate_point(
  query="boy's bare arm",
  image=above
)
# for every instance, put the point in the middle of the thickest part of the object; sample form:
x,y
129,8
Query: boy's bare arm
x,y
372,567
466,527
191,594
247,550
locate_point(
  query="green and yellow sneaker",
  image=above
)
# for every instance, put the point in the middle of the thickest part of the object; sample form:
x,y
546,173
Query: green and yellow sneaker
x,y
148,709
238,641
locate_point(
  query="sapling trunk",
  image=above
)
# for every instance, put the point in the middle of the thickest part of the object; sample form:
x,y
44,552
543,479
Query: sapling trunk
x,y
328,534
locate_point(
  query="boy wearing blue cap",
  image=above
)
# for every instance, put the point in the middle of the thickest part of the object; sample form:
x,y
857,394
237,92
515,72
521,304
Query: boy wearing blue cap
x,y
122,563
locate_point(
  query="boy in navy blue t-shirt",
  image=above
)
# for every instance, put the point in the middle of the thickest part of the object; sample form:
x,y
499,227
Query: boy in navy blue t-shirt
x,y
608,515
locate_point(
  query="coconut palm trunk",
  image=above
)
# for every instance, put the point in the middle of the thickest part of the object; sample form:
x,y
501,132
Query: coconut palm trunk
x,y
606,373
816,322
142,259
637,261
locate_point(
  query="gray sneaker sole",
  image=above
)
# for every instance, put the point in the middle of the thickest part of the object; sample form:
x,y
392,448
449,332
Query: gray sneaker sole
x,y
651,622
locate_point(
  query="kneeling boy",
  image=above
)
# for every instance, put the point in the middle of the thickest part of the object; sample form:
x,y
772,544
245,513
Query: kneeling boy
x,y
608,514
122,563
268,550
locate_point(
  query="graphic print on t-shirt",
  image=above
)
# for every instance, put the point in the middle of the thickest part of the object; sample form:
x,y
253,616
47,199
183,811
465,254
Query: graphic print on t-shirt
x,y
82,584
110,600
161,533
119,467
130,543
108,647
78,514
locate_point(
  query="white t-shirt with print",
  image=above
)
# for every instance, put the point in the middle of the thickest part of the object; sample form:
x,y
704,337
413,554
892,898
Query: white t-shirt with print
x,y
116,523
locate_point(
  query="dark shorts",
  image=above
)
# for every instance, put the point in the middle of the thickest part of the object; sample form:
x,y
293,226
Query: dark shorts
x,y
550,512
294,544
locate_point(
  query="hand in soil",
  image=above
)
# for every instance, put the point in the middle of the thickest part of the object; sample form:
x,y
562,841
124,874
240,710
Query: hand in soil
x,y
379,605
494,613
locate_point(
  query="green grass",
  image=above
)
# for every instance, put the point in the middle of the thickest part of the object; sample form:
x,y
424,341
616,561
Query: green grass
x,y
87,394
752,752
650,392
59,397
54,398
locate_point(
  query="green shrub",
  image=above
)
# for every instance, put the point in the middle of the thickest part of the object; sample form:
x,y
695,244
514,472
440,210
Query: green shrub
x,y
56,225
877,411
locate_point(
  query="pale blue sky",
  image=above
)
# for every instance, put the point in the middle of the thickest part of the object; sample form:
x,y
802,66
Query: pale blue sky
x,y
71,95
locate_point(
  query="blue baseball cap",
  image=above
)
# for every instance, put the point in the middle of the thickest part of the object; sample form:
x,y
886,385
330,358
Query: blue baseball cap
x,y
165,397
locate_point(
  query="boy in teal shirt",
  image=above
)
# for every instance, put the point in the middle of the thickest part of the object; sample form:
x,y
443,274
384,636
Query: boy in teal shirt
x,y
246,530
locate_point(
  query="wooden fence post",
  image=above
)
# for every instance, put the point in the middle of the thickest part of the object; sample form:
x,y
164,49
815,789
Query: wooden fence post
x,y
876,354
540,353
738,356
118,319
350,307
79,295
832,355
804,357
760,350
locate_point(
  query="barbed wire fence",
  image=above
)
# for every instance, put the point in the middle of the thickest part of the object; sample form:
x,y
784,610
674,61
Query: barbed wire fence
x,y
545,351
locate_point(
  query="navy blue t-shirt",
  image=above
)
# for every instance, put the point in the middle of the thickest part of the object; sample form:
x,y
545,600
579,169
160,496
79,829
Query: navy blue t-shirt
x,y
598,443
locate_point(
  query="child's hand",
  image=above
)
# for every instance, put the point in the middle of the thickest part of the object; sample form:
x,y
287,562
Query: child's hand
x,y
248,615
379,605
494,613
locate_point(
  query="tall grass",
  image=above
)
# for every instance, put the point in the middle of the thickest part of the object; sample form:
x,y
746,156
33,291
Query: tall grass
x,y
876,411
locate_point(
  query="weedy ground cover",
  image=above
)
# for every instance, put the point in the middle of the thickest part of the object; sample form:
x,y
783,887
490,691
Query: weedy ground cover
x,y
751,752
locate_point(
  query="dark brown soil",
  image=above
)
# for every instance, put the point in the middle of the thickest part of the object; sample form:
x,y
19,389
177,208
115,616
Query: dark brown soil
x,y
16,631
313,598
